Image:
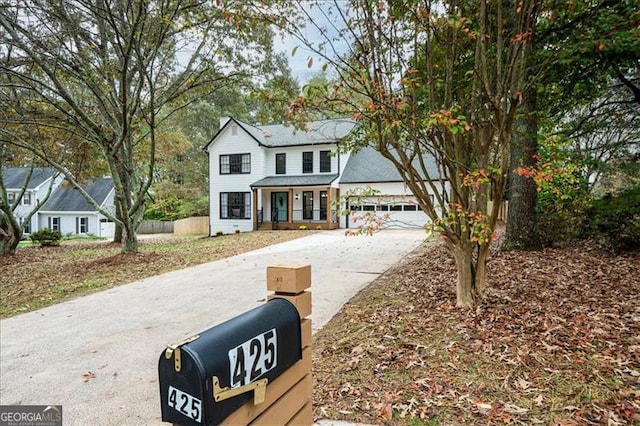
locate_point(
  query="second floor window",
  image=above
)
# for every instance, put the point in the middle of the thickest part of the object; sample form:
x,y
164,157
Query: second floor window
x,y
11,197
235,164
281,164
26,200
325,161
307,162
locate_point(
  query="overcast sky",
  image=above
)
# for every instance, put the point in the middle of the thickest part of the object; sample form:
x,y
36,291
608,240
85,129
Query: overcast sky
x,y
299,62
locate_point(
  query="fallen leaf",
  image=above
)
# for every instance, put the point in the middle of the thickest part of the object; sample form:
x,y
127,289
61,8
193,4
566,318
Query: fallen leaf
x,y
88,376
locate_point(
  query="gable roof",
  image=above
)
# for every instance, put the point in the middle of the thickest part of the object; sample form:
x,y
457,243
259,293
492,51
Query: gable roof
x,y
67,198
281,135
368,165
14,177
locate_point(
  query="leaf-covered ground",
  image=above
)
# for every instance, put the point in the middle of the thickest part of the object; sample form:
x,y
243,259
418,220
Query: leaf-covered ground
x,y
41,276
556,341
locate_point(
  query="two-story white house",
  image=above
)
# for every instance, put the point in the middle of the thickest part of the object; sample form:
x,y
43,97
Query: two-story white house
x,y
280,177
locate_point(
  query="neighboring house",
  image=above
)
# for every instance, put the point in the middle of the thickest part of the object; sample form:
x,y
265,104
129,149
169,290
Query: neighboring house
x,y
70,213
280,177
36,189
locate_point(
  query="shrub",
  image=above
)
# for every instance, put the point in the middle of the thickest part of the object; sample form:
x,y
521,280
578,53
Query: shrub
x,y
617,219
219,233
237,231
46,237
319,228
303,227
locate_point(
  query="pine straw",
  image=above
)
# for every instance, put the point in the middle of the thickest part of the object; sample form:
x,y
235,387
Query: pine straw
x,y
555,341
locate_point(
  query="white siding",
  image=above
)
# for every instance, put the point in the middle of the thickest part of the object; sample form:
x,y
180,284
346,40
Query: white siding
x,y
68,222
36,194
294,159
228,143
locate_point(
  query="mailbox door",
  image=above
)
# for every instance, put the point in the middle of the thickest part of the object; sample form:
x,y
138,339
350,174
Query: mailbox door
x,y
181,393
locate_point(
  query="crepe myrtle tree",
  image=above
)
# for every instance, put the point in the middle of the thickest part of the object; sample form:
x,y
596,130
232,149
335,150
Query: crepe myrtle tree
x,y
113,71
439,79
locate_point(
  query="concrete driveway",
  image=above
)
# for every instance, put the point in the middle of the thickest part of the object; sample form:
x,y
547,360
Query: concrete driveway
x,y
97,355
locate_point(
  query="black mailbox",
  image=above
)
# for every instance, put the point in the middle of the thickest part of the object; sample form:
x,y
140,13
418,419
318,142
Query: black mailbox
x,y
204,378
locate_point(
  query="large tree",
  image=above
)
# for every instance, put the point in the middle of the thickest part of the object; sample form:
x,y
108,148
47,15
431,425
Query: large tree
x,y
113,71
438,79
582,48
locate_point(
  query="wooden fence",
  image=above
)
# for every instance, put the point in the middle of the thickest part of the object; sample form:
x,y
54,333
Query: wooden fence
x,y
288,398
198,225
155,227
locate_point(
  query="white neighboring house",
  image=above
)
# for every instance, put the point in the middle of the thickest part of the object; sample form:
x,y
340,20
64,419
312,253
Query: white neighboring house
x,y
280,177
68,212
36,189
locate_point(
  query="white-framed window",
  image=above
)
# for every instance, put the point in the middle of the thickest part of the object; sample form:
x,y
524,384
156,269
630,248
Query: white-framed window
x,y
235,205
26,199
27,226
54,223
11,197
82,225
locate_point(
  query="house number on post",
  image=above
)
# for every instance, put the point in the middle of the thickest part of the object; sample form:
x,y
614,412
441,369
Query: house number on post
x,y
253,358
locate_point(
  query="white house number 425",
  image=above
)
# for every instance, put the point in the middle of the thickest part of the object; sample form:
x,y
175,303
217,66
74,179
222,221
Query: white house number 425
x,y
253,358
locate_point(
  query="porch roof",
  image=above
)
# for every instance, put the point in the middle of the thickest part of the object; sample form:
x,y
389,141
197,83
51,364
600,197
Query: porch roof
x,y
293,181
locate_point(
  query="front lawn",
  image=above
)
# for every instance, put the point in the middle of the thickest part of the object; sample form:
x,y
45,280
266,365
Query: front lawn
x,y
36,277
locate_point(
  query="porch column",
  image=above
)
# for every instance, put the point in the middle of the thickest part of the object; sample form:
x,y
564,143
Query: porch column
x,y
338,206
290,206
255,208
328,207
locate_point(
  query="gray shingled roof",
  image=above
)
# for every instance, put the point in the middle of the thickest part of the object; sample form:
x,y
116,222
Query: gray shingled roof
x,y
67,198
14,177
315,133
368,165
280,135
306,180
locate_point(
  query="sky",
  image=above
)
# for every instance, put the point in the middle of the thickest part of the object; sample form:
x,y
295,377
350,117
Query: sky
x,y
300,60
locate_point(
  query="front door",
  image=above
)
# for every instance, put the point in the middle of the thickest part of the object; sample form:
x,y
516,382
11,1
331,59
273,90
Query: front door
x,y
279,206
323,205
307,205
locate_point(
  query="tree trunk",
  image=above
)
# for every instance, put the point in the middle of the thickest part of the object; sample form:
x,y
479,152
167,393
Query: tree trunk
x,y
129,243
466,286
522,223
117,236
472,272
481,269
9,238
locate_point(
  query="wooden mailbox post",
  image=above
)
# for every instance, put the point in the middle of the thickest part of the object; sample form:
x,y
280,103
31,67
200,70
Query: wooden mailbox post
x,y
288,398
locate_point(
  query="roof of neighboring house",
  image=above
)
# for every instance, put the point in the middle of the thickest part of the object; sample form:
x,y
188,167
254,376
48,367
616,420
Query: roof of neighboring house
x,y
368,165
306,180
281,135
14,177
68,198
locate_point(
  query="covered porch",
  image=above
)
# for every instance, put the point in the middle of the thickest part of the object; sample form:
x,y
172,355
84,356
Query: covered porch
x,y
289,202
